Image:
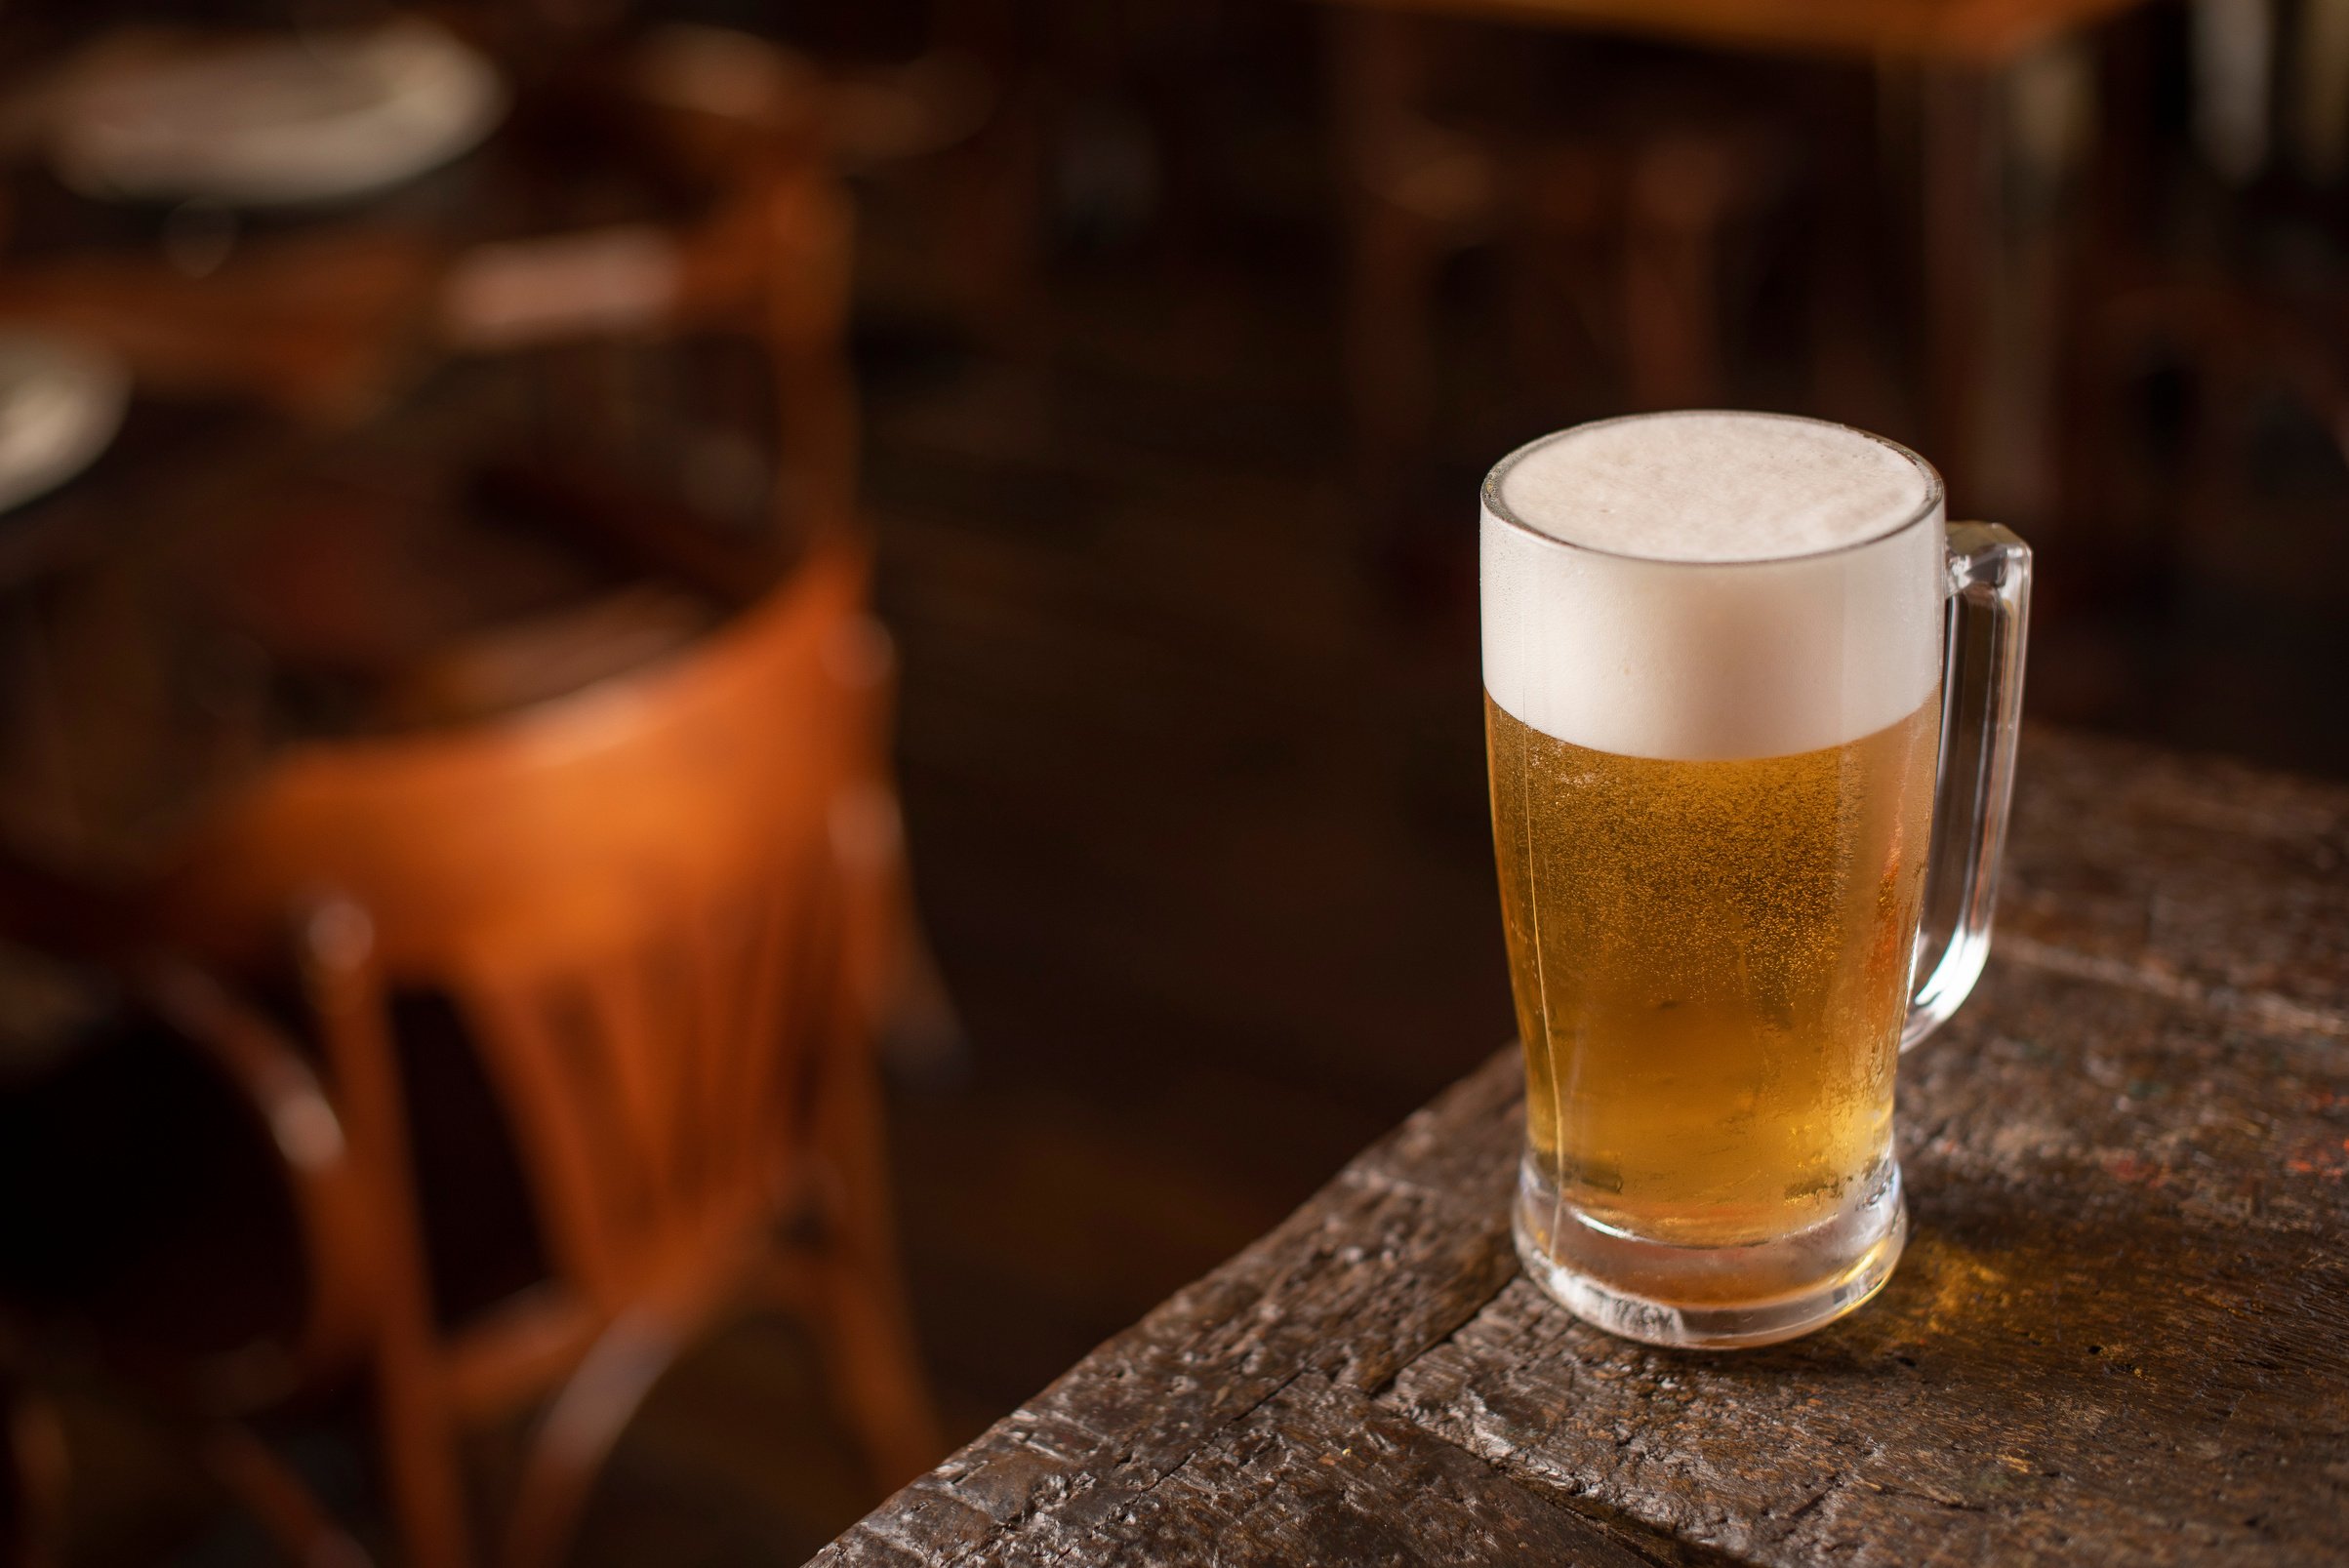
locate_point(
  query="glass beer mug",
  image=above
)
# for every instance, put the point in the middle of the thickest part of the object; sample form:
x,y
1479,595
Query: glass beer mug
x,y
1724,657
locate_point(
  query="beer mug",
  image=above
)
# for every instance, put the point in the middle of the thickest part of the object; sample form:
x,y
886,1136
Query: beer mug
x,y
1739,678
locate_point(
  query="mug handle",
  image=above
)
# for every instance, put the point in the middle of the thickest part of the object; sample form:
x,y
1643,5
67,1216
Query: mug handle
x,y
1981,716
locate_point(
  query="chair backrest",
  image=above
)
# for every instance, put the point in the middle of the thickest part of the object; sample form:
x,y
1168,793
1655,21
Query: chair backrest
x,y
640,901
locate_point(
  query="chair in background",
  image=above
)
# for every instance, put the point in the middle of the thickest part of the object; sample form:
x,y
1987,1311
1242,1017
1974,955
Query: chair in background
x,y
2205,410
665,911
653,867
766,264
935,122
99,1298
712,216
31,1472
1620,216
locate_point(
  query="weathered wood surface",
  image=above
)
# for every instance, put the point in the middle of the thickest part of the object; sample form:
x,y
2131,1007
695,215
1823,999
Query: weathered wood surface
x,y
2120,1331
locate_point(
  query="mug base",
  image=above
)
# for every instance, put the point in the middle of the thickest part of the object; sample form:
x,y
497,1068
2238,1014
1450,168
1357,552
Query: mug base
x,y
1708,1298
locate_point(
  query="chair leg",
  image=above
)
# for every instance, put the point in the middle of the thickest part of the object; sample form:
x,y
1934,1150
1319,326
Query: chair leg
x,y
1678,199
580,1428
859,1298
1388,352
39,1472
420,1455
921,1034
278,1501
420,1448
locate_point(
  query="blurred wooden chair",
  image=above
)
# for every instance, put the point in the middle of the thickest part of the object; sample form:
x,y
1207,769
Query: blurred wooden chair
x,y
1619,217
927,111
2243,345
732,229
646,205
32,1473
2205,295
665,910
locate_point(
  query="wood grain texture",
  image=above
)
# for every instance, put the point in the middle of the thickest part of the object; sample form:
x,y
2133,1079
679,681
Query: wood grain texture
x,y
1397,1252
2120,1331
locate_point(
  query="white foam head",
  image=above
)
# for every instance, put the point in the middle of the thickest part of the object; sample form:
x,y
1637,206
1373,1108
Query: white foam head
x,y
1711,585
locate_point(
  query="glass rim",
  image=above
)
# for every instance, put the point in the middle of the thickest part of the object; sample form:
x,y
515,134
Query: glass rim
x,y
1935,494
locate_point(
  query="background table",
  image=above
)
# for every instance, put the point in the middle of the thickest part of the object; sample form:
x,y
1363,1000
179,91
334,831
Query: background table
x,y
1987,241
1989,32
2121,1332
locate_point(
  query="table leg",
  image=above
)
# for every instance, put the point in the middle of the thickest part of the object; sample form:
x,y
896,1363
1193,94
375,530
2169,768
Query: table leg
x,y
2000,150
1960,213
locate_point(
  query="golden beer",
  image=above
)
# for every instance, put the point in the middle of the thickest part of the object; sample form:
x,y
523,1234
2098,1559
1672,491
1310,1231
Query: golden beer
x,y
1712,652
1711,964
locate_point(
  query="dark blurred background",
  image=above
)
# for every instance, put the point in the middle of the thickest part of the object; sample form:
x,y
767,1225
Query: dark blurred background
x,y
375,381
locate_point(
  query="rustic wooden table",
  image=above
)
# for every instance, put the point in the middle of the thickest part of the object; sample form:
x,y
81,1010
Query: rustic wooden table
x,y
2120,1332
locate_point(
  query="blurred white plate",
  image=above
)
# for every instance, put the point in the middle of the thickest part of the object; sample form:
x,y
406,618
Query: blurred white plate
x,y
255,120
60,403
